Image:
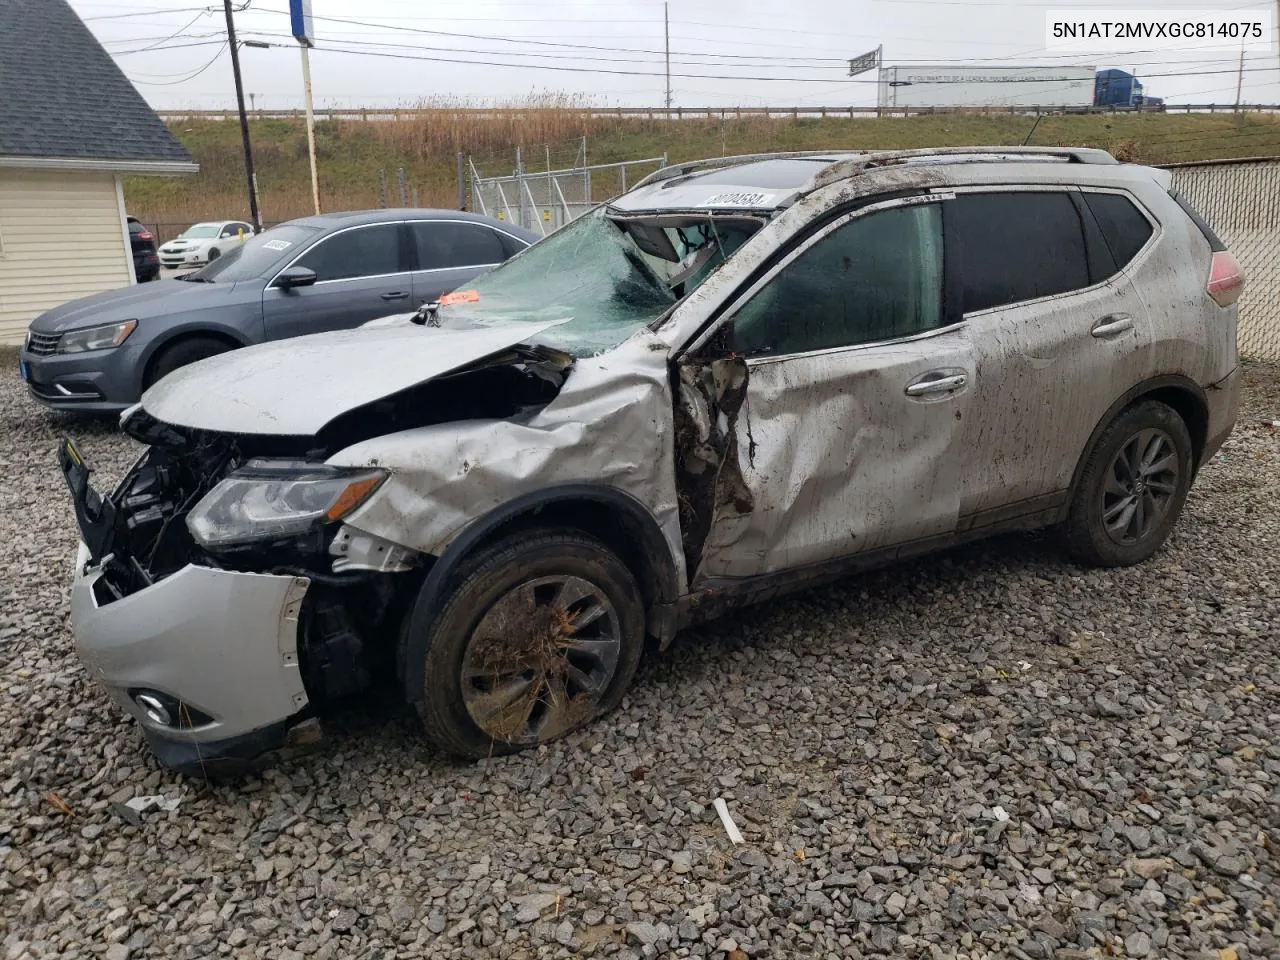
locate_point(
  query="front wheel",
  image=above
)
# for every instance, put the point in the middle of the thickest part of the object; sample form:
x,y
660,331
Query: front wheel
x,y
540,634
1132,489
214,254
180,354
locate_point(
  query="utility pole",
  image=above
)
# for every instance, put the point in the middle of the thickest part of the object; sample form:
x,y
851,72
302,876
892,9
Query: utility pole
x,y
666,36
1240,78
311,122
244,119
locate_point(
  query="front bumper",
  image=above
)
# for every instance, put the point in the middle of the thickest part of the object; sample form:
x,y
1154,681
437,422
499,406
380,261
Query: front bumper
x,y
99,381
221,644
183,258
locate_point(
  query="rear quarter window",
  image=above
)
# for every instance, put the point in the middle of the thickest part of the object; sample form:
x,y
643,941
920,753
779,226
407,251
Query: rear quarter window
x,y
1004,248
1123,226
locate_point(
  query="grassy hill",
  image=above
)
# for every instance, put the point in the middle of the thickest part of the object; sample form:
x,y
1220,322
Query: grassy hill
x,y
426,144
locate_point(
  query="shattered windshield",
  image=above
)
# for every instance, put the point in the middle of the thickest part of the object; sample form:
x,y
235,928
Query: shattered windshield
x,y
604,278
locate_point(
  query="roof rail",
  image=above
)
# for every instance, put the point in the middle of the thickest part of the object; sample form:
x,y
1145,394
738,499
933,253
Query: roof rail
x,y
853,162
711,163
852,166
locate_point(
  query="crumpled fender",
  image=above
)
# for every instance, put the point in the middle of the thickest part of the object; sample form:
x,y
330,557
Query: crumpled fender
x,y
610,425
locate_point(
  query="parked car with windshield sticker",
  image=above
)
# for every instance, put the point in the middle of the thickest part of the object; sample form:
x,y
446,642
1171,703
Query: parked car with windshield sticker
x,y
742,377
327,272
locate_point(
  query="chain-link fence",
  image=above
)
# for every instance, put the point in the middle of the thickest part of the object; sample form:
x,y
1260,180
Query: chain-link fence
x,y
543,199
1241,201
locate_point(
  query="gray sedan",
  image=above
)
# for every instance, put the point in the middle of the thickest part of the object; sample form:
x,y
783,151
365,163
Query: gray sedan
x,y
336,270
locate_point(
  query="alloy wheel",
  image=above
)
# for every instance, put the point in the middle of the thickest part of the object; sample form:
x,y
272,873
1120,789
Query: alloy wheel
x,y
540,659
1139,486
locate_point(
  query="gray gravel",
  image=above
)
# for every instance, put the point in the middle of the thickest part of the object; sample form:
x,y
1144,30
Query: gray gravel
x,y
990,753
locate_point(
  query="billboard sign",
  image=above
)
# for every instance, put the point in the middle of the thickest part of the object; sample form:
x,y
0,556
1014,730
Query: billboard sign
x,y
300,22
868,61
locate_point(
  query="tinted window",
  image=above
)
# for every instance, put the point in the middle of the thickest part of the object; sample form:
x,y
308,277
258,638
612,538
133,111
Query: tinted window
x,y
442,244
362,252
260,255
510,245
874,278
1008,247
1123,226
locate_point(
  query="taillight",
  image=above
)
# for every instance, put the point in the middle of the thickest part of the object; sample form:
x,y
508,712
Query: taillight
x,y
1226,280
146,235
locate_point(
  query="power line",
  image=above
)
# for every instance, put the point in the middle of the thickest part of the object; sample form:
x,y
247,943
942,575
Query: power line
x,y
546,43
144,13
657,57
706,76
173,35
173,46
575,57
170,83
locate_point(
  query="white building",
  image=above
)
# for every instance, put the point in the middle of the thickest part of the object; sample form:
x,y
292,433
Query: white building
x,y
71,127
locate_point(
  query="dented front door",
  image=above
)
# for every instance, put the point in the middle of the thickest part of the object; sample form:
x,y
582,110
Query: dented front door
x,y
822,417
832,454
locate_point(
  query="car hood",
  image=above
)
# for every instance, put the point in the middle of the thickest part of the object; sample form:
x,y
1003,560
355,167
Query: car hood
x,y
295,387
134,302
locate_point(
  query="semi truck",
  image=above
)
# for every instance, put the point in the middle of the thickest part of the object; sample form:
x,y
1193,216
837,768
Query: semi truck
x,y
920,86
942,85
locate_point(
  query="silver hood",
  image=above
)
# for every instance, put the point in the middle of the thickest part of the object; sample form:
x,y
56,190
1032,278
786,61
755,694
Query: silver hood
x,y
294,387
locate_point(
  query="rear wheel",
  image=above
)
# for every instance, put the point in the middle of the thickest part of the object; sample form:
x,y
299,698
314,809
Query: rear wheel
x,y
1132,488
180,354
540,634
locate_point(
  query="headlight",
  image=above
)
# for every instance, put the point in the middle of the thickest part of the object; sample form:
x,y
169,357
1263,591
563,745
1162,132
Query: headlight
x,y
266,500
96,338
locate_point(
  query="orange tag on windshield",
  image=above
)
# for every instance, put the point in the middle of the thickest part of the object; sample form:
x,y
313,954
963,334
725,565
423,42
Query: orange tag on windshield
x,y
461,296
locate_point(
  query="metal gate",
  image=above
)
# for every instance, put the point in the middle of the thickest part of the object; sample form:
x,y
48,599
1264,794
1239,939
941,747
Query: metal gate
x,y
1241,201
545,200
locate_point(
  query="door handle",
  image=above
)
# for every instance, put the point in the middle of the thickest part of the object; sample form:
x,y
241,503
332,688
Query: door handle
x,y
1109,326
925,388
398,295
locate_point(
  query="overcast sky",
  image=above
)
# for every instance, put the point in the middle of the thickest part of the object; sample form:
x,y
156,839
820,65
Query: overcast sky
x,y
173,50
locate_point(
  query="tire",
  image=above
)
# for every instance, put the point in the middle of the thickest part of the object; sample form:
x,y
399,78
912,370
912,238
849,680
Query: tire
x,y
180,354
1108,524
502,669
214,254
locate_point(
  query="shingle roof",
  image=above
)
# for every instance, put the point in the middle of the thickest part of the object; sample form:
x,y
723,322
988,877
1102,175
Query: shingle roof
x,y
62,96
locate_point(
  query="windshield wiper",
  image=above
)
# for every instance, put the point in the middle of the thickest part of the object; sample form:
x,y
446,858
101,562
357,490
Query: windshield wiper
x,y
192,278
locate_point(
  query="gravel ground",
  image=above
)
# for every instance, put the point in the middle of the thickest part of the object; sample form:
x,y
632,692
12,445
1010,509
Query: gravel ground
x,y
990,753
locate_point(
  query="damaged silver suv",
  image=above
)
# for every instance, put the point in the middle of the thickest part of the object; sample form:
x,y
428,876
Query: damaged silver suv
x,y
744,376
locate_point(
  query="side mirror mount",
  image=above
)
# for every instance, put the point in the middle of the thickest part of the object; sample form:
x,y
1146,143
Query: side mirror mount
x,y
295,277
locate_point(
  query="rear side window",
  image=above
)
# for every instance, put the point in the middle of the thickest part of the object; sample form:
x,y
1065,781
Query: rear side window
x,y
877,277
443,244
1216,245
1123,226
1004,248
510,245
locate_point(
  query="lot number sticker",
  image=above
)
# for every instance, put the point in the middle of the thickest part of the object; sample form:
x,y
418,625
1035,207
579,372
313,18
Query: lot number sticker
x,y
739,199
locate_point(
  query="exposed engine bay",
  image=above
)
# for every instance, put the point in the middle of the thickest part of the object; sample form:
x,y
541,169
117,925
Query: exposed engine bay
x,y
140,534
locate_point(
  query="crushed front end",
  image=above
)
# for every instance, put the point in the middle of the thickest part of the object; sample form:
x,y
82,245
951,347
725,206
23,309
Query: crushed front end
x,y
217,596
